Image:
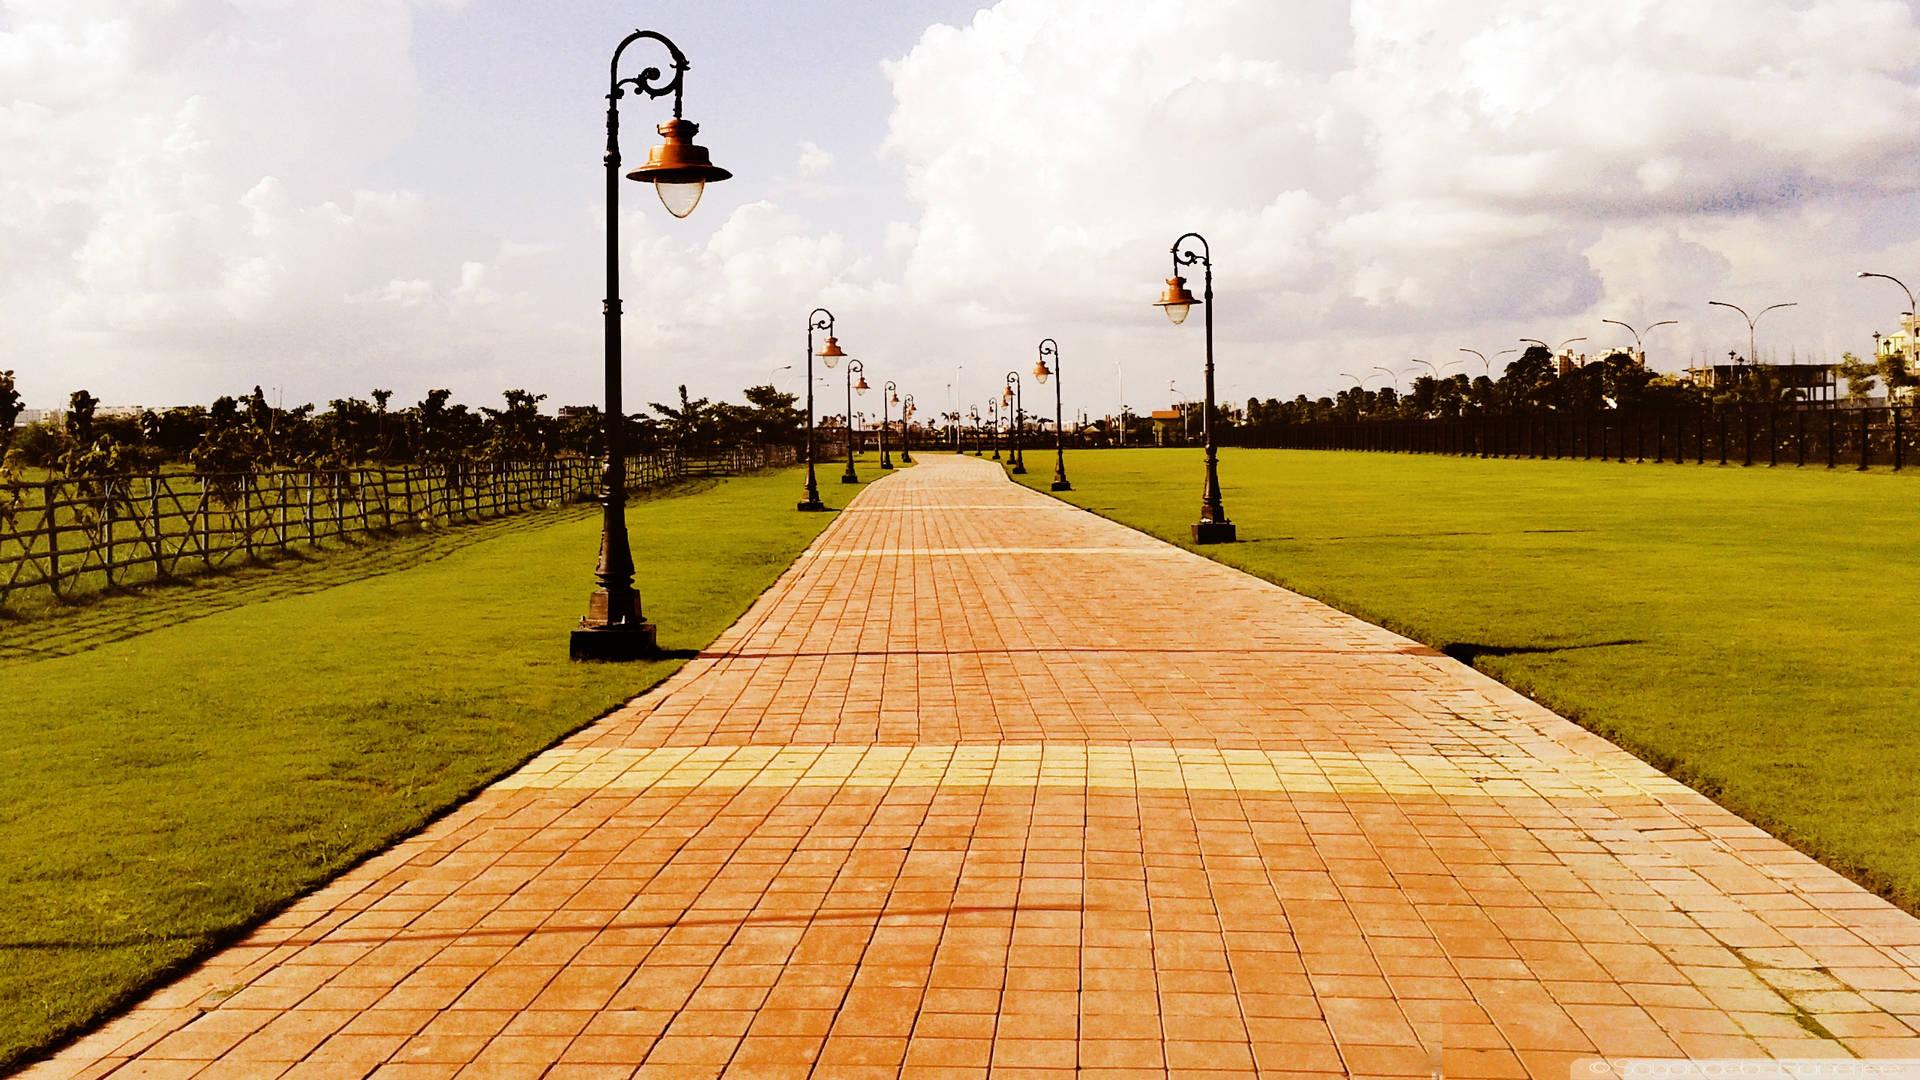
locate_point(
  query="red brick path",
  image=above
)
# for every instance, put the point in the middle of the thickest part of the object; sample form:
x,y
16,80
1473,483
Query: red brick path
x,y
986,783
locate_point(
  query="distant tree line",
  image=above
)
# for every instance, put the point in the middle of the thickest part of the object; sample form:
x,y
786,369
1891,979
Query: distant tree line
x,y
1534,384
247,433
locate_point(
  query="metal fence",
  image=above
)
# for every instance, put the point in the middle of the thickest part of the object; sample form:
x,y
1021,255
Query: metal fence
x,y
1857,438
69,536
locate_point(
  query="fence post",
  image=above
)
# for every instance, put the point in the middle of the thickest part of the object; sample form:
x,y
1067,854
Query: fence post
x,y
1896,437
51,515
1800,435
1831,459
106,520
1773,442
1864,446
153,526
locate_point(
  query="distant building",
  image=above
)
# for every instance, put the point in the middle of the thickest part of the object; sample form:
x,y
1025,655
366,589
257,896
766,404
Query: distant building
x,y
1169,426
1899,343
1798,382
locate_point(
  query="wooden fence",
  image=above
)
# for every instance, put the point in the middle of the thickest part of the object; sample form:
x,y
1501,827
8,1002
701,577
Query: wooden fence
x,y
63,537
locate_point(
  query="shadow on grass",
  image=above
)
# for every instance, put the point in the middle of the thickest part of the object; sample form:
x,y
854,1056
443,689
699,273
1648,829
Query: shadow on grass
x,y
1467,652
65,627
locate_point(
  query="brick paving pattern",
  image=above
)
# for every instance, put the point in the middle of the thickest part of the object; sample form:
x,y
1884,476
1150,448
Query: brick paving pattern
x,y
986,785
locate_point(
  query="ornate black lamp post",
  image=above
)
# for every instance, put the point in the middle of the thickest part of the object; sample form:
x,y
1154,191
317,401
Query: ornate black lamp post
x,y
887,397
1011,398
613,628
854,367
993,420
1050,347
973,414
906,441
1213,526
830,352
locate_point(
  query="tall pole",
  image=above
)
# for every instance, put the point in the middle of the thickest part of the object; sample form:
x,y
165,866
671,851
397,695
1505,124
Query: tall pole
x,y
1120,389
1014,453
993,421
818,319
1050,347
854,367
906,437
614,627
886,394
1213,526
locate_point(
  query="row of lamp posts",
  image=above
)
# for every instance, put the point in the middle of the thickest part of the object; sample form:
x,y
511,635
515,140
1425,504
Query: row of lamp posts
x,y
614,627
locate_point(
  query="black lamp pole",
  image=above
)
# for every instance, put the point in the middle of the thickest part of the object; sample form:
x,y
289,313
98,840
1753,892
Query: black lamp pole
x,y
1213,526
1013,452
1050,347
906,441
886,397
614,628
819,319
854,367
993,419
973,414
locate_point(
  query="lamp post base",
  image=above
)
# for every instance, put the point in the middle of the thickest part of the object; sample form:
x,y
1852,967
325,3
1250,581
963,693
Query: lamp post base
x,y
849,478
614,643
1213,532
811,506
886,465
1061,485
1018,469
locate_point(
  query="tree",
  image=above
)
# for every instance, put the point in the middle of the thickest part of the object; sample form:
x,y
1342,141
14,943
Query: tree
x,y
774,417
10,410
80,407
687,427
1860,375
518,430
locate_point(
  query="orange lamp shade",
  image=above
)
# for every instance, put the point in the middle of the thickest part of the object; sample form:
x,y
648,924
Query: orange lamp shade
x,y
831,352
861,387
1176,301
679,169
1040,373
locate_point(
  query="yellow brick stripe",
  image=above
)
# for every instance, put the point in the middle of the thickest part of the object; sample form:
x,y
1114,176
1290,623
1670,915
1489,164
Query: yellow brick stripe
x,y
1095,767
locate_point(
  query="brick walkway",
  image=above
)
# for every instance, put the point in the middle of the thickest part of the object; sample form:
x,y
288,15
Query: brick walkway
x,y
986,781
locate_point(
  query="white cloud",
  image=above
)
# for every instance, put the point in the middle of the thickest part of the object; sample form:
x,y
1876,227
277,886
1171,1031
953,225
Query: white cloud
x,y
1418,176
813,160
187,205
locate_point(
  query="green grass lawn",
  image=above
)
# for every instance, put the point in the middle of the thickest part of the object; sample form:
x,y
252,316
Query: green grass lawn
x,y
177,765
1755,632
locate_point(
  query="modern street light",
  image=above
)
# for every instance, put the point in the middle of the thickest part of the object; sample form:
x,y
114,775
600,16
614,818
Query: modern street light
x,y
829,354
1357,380
1393,377
613,628
1638,348
1049,347
1213,526
1486,366
1011,397
1751,320
854,367
906,441
1909,313
1903,287
887,397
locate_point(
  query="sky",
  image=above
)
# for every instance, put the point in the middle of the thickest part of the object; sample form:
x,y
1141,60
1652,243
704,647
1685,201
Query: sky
x,y
198,196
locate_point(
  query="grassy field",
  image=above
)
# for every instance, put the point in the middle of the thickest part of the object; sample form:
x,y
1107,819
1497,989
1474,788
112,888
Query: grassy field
x,y
177,765
1751,631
